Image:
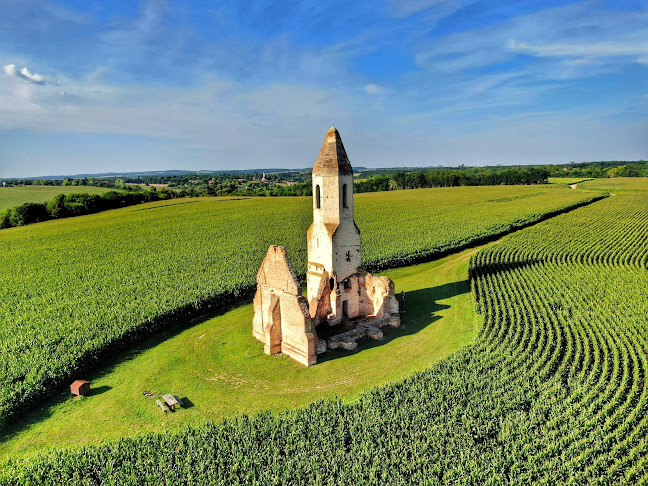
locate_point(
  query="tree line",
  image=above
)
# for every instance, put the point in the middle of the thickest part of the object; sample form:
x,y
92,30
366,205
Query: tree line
x,y
290,183
452,178
64,206
603,169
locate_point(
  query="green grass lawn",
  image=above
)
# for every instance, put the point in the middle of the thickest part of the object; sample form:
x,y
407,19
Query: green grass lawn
x,y
10,197
220,369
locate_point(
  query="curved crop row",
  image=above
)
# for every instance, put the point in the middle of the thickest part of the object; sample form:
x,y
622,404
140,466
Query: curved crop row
x,y
554,391
72,289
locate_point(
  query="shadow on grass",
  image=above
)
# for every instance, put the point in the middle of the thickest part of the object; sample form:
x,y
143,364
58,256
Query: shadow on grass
x,y
99,390
35,416
418,311
186,403
99,370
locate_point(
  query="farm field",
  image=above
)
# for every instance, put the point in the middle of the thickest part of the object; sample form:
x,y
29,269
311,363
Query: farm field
x,y
617,184
553,391
567,180
222,369
10,197
71,289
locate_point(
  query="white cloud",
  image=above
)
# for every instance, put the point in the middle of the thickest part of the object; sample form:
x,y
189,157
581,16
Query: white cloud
x,y
642,59
435,10
24,73
36,78
570,49
214,112
10,69
373,89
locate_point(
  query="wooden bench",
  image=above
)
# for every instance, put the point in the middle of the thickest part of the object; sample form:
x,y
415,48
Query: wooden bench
x,y
162,406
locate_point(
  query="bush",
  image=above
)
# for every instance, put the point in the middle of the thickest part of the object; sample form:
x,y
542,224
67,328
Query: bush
x,y
5,219
29,213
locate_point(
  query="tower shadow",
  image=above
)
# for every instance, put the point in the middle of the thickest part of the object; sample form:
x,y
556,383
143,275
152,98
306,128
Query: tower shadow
x,y
419,310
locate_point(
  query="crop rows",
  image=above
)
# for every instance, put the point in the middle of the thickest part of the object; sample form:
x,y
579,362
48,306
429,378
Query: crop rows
x,y
71,289
616,184
554,390
570,297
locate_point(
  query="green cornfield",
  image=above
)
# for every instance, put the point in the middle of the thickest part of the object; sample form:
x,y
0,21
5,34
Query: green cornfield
x,y
553,391
72,290
616,184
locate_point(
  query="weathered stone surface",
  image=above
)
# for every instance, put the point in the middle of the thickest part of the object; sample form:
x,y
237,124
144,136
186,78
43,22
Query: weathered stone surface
x,y
332,157
321,346
281,316
374,332
342,341
333,238
348,345
338,289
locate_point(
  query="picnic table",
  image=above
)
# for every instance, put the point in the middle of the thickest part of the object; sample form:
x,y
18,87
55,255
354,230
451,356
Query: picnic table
x,y
170,400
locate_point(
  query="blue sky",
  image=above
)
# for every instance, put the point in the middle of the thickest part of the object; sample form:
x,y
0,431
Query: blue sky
x,y
122,86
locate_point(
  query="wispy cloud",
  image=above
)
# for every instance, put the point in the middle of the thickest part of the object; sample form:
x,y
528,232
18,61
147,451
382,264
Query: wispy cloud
x,y
10,69
435,10
373,89
248,82
578,31
577,49
214,112
24,73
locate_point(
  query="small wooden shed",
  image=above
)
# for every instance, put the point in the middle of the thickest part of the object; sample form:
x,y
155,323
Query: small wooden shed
x,y
80,387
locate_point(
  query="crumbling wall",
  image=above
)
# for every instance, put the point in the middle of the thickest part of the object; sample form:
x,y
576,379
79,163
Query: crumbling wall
x,y
380,291
320,305
360,294
282,318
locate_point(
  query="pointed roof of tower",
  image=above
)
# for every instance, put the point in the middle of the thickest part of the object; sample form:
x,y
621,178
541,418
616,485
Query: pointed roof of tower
x,y
333,158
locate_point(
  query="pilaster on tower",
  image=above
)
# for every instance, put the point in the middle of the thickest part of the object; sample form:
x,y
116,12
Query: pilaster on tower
x,y
333,238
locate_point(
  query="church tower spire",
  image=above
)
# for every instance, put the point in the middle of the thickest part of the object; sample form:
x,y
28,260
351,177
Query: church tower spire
x,y
339,290
333,238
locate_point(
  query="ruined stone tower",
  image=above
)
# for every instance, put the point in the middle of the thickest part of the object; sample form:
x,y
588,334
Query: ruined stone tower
x,y
344,302
333,238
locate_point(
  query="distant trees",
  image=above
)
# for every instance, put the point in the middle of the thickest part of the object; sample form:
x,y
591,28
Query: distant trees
x,y
63,206
133,190
629,170
613,168
453,177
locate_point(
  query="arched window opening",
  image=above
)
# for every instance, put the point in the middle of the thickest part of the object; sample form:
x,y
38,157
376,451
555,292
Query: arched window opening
x,y
331,283
344,196
318,200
